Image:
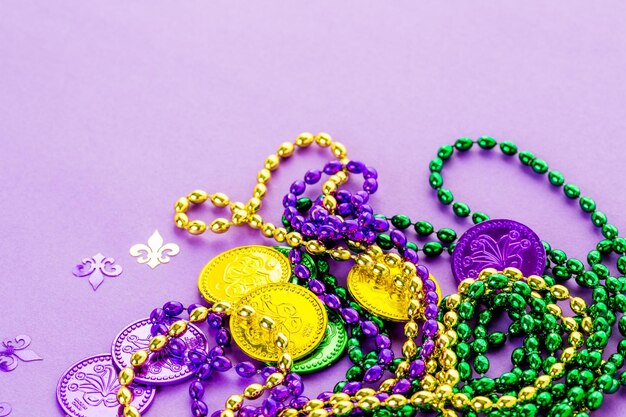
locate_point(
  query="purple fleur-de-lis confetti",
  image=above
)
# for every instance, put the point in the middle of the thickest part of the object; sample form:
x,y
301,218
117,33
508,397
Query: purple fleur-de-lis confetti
x,y
13,351
5,409
97,267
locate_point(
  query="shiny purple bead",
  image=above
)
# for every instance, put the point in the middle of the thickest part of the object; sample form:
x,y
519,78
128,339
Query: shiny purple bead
x,y
319,214
269,408
299,401
370,172
156,329
297,187
430,327
380,225
402,386
385,356
173,308
369,328
343,196
352,387
267,371
364,195
382,396
222,337
312,176
429,285
214,320
332,301
344,209
297,222
350,315
355,167
316,286
216,413
199,408
193,306
245,369
417,368
410,255
197,356
325,396
308,229
204,372
398,238
431,310
349,226
365,219
370,185
427,348
302,271
295,387
422,271
157,316
332,167
249,411
221,363
373,374
216,351
295,256
383,341
280,393
196,390
432,297
289,200
176,347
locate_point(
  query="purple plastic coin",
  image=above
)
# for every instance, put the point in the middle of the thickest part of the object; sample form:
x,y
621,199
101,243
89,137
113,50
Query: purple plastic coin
x,y
498,244
162,368
89,388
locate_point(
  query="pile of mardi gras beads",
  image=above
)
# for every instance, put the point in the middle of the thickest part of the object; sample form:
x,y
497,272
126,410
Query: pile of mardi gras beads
x,y
275,302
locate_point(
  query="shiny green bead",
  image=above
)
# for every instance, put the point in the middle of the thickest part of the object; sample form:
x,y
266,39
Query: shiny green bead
x,y
619,245
497,281
526,158
286,223
547,363
516,302
463,144
355,355
519,287
561,273
574,266
354,373
339,386
480,332
597,340
561,410
481,364
412,245
445,196
544,399
479,217
423,228
605,382
528,323
613,284
432,249
507,380
508,148
353,342
598,218
406,410
435,180
476,290
382,412
604,246
595,359
575,394
556,178
617,360
558,256
400,221
487,142
587,204
549,322
466,310
518,356
303,204
528,410
446,235
463,350
465,370
572,377
553,341
461,209
594,400
538,305
534,361
483,385
445,152
463,331
531,344
540,166
609,231
484,318
435,165
571,191
367,364
558,391
496,339
479,346
594,257
601,271
621,347
384,241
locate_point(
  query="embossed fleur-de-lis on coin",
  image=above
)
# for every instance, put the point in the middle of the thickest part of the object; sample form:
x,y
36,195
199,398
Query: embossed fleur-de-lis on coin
x,y
155,252
97,267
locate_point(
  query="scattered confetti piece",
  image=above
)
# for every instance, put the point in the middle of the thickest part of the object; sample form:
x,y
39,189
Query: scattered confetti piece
x,y
97,267
155,252
12,351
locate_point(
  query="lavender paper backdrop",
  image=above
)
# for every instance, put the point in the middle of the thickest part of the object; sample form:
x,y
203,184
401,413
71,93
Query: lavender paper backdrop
x,y
111,110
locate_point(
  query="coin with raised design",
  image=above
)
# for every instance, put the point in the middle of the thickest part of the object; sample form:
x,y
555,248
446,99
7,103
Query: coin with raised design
x,y
296,312
233,273
328,352
89,388
498,243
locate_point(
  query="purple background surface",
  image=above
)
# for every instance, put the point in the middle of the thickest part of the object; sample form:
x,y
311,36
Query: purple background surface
x,y
109,111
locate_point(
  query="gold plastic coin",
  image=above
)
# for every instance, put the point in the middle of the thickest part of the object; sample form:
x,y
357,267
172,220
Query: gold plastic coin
x,y
296,312
233,273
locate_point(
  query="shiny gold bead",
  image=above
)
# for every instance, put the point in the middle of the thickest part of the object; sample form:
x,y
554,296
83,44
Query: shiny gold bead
x,y
575,339
568,354
450,319
329,187
481,404
387,384
369,403
535,294
409,269
220,199
259,191
453,301
429,383
451,377
315,247
486,273
570,324
198,196
448,413
138,358
313,405
253,391
559,291
323,139
289,412
178,328
320,412
409,349
304,139
587,324
240,216
338,149
267,323
198,314
555,310
280,234
443,392
181,205
330,202
294,239
285,150
281,341
196,227
343,177
423,398
464,285
402,368
237,205
343,407
431,366
255,221
234,402
338,397
264,176
181,220
460,401
536,282
126,376
557,370
222,307
219,225
274,380
526,394
268,229
364,392
124,396
513,274
444,342
578,305
130,411
272,162
340,254
414,308
411,329
285,362
453,336
227,413
396,401
506,401
543,381
448,359
246,311
157,343
253,205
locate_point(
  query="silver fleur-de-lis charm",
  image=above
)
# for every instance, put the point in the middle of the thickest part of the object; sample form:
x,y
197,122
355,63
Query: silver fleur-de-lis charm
x,y
97,267
155,252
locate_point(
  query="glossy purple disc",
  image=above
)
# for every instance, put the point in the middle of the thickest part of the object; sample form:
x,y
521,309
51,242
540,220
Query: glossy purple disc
x,y
162,368
89,388
498,243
